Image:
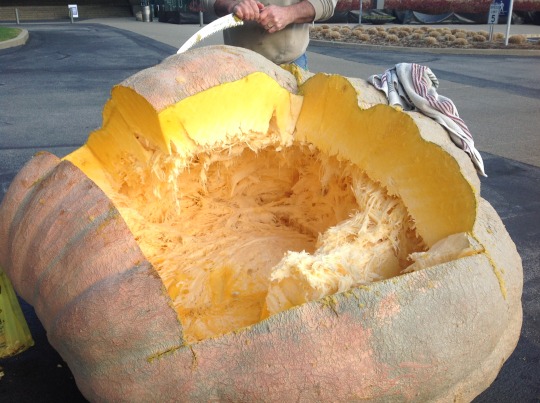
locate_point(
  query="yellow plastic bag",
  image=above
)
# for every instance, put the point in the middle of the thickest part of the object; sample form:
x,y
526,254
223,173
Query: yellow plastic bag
x,y
15,336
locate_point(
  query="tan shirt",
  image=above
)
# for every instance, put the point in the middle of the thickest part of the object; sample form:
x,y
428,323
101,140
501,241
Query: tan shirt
x,y
283,46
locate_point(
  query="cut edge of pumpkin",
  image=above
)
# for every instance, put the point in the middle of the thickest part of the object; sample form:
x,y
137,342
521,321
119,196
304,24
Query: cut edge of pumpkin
x,y
373,139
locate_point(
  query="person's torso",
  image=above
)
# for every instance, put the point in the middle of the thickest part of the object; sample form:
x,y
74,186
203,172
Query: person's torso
x,y
281,47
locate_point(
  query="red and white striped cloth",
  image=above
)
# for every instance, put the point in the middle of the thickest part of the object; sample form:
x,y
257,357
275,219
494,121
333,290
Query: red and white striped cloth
x,y
414,87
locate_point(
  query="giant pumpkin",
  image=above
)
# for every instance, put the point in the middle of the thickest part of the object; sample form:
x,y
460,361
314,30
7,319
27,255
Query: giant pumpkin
x,y
235,232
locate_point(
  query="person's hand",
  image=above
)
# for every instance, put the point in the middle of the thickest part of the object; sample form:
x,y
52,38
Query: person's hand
x,y
272,18
246,10
275,18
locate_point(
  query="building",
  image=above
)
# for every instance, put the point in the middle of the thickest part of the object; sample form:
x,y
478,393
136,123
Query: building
x,y
187,11
37,10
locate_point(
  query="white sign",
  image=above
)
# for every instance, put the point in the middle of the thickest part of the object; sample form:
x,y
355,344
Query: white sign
x,y
74,10
494,11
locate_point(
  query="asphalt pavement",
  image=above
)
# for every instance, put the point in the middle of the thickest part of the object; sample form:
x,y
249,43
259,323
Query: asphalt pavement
x,y
53,88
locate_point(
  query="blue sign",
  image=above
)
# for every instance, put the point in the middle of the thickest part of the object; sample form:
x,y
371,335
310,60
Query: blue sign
x,y
505,6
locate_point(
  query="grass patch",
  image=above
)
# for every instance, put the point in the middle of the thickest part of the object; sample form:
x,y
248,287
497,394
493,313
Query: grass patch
x,y
8,33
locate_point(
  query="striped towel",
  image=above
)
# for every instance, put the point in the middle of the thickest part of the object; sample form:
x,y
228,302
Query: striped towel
x,y
414,87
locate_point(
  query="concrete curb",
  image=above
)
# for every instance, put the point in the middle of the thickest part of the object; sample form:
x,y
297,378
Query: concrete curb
x,y
18,41
448,51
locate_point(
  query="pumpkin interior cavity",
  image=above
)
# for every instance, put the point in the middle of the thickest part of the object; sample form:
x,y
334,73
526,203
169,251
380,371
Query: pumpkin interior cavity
x,y
237,237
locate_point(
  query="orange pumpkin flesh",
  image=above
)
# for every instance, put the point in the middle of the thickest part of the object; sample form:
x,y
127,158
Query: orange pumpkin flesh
x,y
215,203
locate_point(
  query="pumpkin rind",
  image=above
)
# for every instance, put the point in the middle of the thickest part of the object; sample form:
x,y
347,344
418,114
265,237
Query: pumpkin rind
x,y
436,334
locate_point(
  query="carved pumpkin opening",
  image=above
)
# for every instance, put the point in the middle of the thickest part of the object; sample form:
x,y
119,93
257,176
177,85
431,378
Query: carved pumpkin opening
x,y
249,205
